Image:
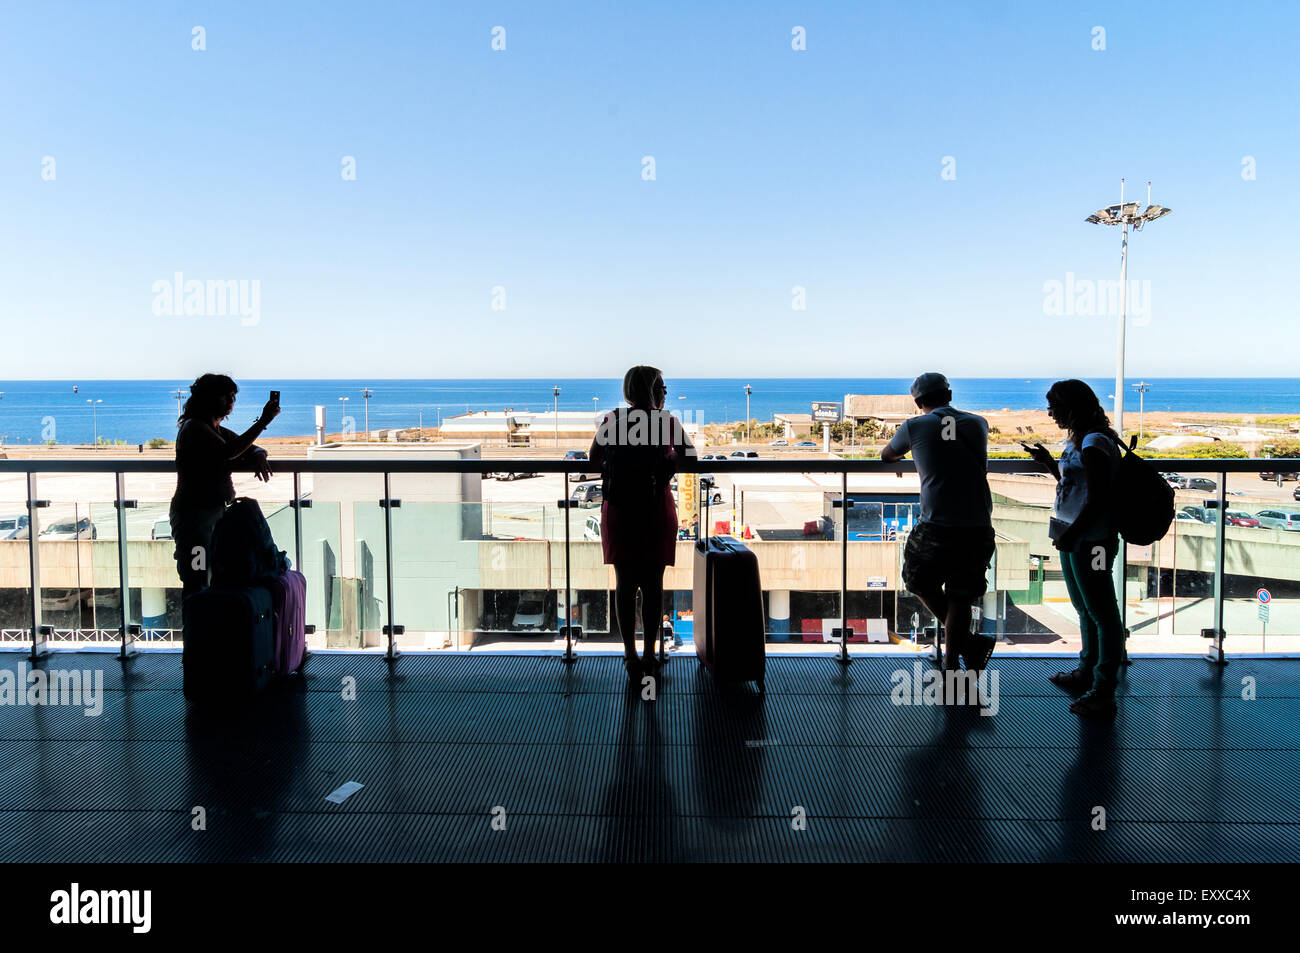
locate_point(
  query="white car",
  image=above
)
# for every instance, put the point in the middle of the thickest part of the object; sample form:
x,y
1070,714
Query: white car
x,y
779,443
530,614
592,530
67,529
14,527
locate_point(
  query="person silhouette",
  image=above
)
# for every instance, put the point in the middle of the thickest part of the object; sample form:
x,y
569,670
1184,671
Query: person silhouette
x,y
946,557
637,449
1083,528
206,455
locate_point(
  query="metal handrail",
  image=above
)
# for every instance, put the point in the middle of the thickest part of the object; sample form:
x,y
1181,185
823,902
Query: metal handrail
x,y
790,464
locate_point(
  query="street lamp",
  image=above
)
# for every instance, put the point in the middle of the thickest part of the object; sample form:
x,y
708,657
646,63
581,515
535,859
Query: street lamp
x,y
365,393
748,391
1125,215
94,413
555,391
343,432
595,405
1141,387
178,393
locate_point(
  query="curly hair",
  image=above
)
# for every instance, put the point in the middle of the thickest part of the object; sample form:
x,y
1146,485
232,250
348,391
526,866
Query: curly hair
x,y
208,397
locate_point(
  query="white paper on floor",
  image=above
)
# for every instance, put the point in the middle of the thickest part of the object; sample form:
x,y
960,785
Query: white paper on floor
x,y
343,792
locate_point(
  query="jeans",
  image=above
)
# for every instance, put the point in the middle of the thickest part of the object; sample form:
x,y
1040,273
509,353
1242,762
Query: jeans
x,y
1092,592
192,530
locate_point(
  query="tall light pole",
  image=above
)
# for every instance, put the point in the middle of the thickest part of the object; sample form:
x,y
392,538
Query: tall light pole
x,y
595,405
555,391
178,393
1125,215
748,391
1141,387
365,393
344,405
94,414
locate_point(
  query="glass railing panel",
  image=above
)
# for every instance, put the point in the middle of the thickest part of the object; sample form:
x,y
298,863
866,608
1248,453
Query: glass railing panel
x,y
15,563
1261,612
516,598
78,559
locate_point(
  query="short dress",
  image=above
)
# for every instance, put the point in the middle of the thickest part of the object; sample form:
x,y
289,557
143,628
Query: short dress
x,y
644,536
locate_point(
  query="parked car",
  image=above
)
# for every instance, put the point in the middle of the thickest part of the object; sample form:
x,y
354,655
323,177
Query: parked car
x,y
67,529
587,494
1239,518
15,527
1185,517
530,614
806,445
1295,494
779,443
60,600
592,530
1279,519
1272,476
1200,514
1201,483
744,455
162,529
579,477
515,476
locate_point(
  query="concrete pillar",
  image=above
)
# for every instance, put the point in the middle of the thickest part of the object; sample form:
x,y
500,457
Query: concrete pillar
x,y
153,608
778,612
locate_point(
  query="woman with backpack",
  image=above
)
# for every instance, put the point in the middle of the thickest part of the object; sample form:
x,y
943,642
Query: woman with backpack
x,y
1083,528
206,455
637,449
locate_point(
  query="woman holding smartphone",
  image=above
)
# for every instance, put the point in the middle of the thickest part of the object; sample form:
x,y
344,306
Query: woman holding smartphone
x,y
206,455
1083,529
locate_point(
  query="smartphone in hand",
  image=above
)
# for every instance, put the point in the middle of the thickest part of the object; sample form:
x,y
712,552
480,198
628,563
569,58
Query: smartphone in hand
x,y
275,396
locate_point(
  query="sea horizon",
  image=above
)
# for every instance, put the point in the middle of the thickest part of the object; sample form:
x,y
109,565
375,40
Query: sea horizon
x,y
139,410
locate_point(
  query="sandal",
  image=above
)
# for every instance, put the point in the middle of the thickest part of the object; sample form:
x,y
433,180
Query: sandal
x,y
1095,706
1073,681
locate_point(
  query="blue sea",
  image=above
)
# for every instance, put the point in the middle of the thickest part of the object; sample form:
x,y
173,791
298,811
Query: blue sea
x,y
137,411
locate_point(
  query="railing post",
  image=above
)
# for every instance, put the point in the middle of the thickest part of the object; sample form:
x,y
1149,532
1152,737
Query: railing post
x,y
1215,654
297,520
34,504
392,629
568,630
843,632
128,630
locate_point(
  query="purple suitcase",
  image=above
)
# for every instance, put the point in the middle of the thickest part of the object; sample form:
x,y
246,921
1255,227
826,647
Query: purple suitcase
x,y
289,620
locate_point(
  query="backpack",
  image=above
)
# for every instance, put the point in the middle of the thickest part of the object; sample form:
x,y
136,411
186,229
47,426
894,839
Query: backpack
x,y
634,475
1142,500
242,549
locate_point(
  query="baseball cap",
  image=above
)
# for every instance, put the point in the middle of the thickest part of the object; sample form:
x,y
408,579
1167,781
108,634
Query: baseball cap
x,y
931,382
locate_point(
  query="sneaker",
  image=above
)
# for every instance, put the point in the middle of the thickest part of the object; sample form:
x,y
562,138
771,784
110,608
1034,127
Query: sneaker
x,y
1075,682
977,651
1094,706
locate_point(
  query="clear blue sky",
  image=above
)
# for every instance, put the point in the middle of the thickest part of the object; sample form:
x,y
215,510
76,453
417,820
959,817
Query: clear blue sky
x,y
522,169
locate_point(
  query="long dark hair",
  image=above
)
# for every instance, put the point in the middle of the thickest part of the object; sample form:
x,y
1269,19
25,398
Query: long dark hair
x,y
1079,411
208,397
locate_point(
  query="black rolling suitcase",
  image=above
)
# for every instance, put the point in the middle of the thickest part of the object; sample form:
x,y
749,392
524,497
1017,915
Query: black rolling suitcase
x,y
229,648
729,629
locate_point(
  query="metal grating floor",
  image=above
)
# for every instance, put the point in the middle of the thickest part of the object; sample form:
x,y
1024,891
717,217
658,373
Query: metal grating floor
x,y
587,771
